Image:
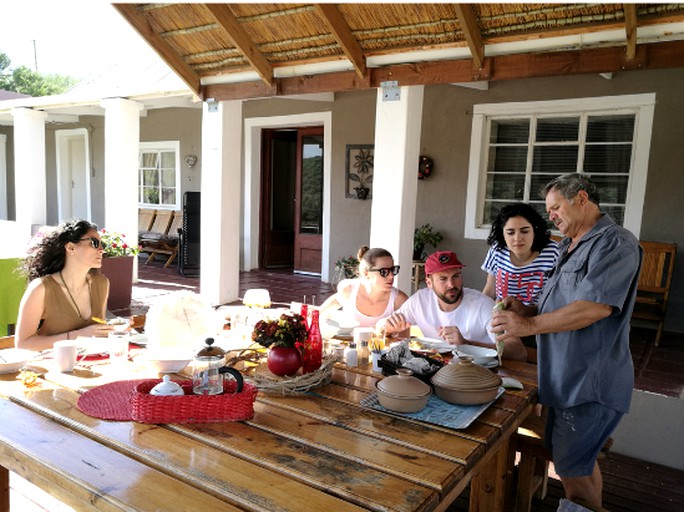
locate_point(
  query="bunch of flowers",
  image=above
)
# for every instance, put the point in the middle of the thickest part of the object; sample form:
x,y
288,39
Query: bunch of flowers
x,y
287,331
348,265
116,245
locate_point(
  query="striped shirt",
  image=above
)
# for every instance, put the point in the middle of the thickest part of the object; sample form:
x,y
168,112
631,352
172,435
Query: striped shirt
x,y
526,282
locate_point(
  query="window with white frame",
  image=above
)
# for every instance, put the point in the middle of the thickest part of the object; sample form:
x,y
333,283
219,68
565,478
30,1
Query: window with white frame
x,y
516,148
159,175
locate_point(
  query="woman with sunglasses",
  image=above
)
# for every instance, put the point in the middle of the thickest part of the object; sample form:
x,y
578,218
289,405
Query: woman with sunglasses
x,y
372,295
66,291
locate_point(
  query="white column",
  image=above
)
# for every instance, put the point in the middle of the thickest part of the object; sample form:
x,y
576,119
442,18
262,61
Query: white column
x,y
122,141
395,177
221,202
29,166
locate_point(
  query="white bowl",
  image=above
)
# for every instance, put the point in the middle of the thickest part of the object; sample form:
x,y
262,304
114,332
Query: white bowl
x,y
170,361
480,355
14,359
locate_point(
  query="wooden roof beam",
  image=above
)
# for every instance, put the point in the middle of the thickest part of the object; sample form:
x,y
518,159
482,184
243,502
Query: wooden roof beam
x,y
630,29
139,22
471,32
225,18
338,26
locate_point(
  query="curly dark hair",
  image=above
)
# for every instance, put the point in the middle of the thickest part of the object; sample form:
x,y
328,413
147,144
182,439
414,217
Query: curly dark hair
x,y
369,256
542,235
49,254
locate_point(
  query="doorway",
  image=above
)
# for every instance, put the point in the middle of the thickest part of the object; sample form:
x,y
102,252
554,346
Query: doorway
x,y
73,178
291,221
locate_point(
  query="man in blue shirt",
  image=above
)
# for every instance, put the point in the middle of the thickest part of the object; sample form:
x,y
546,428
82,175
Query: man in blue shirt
x,y
585,369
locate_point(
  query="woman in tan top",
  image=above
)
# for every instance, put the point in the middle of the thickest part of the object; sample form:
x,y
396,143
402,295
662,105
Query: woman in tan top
x,y
66,291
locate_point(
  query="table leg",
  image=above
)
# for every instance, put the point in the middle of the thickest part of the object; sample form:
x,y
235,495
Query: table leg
x,y
488,487
4,489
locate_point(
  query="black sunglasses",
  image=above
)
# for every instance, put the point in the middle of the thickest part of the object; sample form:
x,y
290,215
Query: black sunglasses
x,y
95,243
384,272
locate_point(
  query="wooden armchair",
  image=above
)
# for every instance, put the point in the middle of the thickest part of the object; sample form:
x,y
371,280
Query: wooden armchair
x,y
654,284
168,243
145,219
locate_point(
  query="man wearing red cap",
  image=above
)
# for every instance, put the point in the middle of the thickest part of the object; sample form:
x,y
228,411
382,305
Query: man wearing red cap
x,y
445,309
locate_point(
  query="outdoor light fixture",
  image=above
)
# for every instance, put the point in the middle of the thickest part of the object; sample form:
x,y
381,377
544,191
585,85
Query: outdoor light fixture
x,y
190,161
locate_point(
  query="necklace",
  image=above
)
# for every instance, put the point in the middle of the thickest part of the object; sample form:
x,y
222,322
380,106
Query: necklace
x,y
78,310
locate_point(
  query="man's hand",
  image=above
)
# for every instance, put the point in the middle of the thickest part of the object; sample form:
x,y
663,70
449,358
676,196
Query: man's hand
x,y
510,325
452,335
513,304
395,323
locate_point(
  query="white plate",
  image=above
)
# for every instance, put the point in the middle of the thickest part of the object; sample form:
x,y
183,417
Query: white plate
x,y
139,339
14,359
478,353
434,344
92,346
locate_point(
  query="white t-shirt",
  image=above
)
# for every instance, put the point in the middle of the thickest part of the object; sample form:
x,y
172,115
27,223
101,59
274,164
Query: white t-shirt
x,y
472,316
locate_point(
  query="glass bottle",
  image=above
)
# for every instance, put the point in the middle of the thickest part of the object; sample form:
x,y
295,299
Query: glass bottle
x,y
363,353
313,353
351,356
305,314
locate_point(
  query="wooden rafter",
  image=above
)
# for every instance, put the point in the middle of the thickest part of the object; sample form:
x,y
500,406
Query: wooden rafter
x,y
165,51
471,32
225,18
631,29
343,35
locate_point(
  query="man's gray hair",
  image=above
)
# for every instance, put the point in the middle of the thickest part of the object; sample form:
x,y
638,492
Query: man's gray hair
x,y
568,185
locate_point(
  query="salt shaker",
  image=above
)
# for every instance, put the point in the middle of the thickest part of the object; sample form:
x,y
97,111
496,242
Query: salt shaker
x,y
351,355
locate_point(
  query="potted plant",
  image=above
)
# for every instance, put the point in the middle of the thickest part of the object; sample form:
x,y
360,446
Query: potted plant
x,y
425,236
284,337
117,266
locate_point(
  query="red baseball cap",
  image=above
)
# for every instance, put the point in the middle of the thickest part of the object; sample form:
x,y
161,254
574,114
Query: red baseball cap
x,y
441,260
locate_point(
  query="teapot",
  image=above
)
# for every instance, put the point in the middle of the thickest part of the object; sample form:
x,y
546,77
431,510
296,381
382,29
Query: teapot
x,y
208,370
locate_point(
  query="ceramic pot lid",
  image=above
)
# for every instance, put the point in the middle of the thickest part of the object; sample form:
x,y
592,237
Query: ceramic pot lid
x,y
404,384
466,375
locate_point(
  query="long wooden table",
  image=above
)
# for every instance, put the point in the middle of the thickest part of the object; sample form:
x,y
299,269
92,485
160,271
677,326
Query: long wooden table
x,y
321,451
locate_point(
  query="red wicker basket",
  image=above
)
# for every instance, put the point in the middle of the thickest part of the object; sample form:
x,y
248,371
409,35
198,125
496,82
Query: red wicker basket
x,y
191,408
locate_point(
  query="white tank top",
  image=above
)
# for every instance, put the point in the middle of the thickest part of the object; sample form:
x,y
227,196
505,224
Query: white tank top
x,y
352,311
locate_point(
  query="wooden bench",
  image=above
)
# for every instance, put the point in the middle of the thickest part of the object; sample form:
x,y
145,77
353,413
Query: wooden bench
x,y
654,284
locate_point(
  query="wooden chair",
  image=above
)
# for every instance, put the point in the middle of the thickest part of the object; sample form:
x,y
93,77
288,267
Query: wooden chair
x,y
6,342
145,219
169,242
654,284
148,240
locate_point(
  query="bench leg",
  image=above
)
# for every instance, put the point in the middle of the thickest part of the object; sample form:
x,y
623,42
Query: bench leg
x,y
4,489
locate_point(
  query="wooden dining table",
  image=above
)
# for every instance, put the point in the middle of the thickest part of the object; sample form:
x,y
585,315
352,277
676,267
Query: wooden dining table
x,y
317,451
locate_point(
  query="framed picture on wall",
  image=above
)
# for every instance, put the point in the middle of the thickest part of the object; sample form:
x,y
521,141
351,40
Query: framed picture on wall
x,y
359,171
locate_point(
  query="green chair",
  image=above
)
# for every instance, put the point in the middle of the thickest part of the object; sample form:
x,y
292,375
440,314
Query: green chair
x,y
11,291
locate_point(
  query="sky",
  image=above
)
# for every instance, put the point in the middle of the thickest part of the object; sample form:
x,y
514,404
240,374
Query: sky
x,y
72,37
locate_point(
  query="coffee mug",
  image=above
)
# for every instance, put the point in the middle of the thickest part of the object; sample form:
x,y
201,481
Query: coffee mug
x,y
65,352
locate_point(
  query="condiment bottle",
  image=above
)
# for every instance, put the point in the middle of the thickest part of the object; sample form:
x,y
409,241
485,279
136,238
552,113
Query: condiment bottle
x,y
305,314
351,355
363,353
206,378
313,354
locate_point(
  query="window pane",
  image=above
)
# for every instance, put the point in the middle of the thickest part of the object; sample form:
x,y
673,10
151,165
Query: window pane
x,y
169,196
556,159
537,183
150,195
617,212
491,210
618,128
612,189
510,131
168,159
150,178
149,160
507,159
505,186
168,178
564,129
608,159
311,213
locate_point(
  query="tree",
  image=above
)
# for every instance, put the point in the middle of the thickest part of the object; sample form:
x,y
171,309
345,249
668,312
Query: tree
x,y
25,81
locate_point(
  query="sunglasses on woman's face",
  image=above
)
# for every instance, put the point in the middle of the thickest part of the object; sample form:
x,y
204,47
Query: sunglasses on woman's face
x,y
95,243
384,272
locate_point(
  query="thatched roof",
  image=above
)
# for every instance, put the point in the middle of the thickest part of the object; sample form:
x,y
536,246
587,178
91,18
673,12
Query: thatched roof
x,y
262,49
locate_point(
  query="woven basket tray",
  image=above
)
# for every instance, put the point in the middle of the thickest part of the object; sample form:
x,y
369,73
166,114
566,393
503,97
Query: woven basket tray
x,y
389,368
191,408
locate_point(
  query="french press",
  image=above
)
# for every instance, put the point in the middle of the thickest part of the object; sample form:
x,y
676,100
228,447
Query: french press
x,y
208,370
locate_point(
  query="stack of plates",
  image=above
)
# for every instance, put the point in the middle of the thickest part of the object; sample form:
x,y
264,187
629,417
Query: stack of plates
x,y
432,344
486,357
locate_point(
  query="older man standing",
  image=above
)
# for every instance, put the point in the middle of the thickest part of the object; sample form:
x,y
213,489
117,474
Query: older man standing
x,y
586,374
447,310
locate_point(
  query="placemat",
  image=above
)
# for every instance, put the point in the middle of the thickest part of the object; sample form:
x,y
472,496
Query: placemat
x,y
437,411
109,401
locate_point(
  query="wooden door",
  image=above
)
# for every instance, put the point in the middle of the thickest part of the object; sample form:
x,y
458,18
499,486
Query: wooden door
x,y
309,201
278,178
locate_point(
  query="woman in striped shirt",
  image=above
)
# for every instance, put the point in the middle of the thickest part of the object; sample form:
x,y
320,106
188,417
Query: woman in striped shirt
x,y
521,252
